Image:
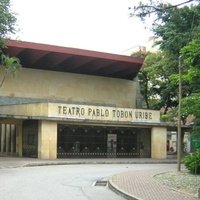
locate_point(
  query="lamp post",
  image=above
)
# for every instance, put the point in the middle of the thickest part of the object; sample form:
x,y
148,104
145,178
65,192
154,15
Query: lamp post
x,y
179,149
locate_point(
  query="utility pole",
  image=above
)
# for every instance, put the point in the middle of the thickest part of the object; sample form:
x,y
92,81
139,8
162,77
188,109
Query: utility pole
x,y
179,149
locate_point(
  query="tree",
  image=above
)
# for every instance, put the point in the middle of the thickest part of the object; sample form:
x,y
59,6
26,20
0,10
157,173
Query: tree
x,y
7,22
171,28
191,104
142,10
156,82
10,65
174,27
191,58
7,26
178,32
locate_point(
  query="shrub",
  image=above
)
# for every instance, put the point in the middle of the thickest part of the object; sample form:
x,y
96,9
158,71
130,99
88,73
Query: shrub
x,y
192,162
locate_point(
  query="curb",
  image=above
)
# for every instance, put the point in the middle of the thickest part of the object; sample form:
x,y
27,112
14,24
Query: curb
x,y
33,163
121,192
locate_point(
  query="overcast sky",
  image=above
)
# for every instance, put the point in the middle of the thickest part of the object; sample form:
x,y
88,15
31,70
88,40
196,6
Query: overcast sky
x,y
100,25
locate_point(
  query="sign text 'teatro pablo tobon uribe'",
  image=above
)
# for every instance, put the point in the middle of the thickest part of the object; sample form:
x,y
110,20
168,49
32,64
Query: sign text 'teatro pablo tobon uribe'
x,y
102,113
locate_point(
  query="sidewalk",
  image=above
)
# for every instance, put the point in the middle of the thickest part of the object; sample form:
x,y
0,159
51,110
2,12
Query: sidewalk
x,y
133,185
12,162
140,185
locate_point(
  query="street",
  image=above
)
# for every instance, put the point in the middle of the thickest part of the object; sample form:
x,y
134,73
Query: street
x,y
64,181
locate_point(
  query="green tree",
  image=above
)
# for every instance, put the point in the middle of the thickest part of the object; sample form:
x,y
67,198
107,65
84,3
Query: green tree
x,y
178,32
156,82
191,59
7,22
174,27
191,104
10,65
7,26
143,10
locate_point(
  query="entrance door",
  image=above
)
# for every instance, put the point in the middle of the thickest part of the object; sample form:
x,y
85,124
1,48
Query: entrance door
x,y
30,138
111,145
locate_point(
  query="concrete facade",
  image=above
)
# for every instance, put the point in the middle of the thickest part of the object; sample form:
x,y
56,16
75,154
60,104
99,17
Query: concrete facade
x,y
47,140
35,101
158,142
70,88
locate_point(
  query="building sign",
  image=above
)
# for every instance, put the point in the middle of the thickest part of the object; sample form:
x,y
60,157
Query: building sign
x,y
101,113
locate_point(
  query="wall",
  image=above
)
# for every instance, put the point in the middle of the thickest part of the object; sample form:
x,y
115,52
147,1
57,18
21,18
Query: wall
x,y
70,88
158,143
47,140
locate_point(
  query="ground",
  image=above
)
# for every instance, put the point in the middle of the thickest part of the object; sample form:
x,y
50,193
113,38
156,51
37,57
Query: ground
x,y
182,181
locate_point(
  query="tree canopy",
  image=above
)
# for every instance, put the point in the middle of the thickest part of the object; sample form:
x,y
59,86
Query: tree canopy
x,y
177,29
7,27
7,21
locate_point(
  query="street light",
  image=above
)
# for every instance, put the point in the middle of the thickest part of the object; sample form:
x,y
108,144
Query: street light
x,y
179,149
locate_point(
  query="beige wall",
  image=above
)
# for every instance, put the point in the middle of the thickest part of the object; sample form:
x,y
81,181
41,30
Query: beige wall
x,y
158,142
72,88
47,140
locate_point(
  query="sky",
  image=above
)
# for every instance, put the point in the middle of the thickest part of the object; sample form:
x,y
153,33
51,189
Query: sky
x,y
99,25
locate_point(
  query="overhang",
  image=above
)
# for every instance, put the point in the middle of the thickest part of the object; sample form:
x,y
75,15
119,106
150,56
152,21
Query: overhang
x,y
64,59
87,114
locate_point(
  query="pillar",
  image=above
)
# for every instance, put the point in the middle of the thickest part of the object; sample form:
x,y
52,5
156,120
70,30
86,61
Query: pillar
x,y
13,138
158,143
19,139
3,138
8,139
47,140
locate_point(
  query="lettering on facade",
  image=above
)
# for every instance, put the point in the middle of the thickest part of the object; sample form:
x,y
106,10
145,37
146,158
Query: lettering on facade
x,y
143,115
106,113
98,112
76,111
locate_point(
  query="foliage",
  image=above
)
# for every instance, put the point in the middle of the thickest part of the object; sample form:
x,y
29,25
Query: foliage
x,y
190,161
191,55
167,117
178,31
143,10
191,103
7,22
7,26
10,65
157,83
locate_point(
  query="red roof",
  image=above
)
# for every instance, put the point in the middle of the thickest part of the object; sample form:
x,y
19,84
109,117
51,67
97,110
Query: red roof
x,y
63,59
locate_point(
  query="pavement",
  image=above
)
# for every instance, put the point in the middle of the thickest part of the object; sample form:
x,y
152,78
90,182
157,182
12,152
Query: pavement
x,y
133,185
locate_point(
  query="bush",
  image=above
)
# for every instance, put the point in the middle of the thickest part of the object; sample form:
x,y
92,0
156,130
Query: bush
x,y
192,162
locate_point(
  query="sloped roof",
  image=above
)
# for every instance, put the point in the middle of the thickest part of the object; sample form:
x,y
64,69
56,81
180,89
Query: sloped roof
x,y
64,59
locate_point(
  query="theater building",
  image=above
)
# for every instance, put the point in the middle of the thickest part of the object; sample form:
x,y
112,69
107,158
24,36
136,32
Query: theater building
x,y
72,103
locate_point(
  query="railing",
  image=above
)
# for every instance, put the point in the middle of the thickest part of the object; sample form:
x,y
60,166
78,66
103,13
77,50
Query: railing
x,y
102,155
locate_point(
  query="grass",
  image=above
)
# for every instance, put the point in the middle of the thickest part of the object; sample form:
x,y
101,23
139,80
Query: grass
x,y
181,181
